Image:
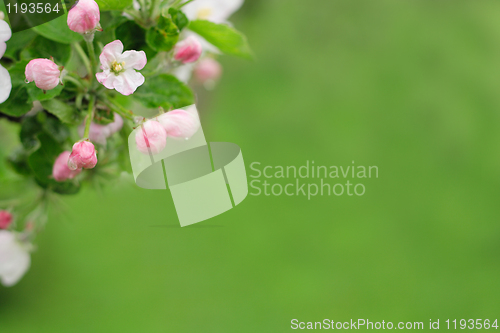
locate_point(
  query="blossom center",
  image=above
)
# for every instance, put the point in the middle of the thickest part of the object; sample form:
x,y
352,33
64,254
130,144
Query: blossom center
x,y
117,67
204,13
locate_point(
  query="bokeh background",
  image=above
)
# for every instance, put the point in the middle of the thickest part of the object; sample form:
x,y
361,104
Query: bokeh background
x,y
409,86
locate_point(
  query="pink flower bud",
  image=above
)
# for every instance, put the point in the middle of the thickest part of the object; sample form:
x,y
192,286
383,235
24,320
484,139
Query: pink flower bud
x,y
83,155
179,124
5,219
207,70
151,136
188,50
61,171
84,17
44,72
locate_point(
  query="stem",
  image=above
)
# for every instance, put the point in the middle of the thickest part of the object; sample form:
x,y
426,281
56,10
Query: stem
x,y
185,3
83,56
90,115
75,81
120,110
90,47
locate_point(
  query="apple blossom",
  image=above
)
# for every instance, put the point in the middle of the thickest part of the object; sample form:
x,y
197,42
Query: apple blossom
x,y
179,124
83,155
14,258
207,70
217,11
45,73
61,171
119,68
151,137
84,18
188,50
5,81
5,219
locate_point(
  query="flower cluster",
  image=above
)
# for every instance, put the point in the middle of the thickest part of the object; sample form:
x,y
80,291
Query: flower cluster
x,y
77,94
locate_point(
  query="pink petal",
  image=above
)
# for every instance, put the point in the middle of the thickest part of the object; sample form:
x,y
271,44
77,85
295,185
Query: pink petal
x,y
106,78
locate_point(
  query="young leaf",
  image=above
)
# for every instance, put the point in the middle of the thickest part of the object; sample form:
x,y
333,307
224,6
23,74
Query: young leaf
x,y
178,17
113,4
164,36
164,90
227,39
58,31
19,42
37,94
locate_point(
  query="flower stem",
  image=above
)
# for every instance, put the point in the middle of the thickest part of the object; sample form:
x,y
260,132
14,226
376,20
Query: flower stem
x,y
83,56
90,47
122,111
90,115
75,81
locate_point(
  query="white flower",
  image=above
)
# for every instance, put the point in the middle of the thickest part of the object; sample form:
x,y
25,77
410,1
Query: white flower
x,y
217,11
14,258
119,68
5,82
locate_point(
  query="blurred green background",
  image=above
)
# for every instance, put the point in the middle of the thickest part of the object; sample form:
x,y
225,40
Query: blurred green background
x,y
409,86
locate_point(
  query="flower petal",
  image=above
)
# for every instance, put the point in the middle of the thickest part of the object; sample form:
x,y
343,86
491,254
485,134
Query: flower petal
x,y
134,59
127,82
106,78
14,259
5,32
110,53
5,84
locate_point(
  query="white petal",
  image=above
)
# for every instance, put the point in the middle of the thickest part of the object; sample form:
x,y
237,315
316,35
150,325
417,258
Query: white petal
x,y
5,84
3,47
217,11
14,259
127,82
110,53
106,78
5,32
134,59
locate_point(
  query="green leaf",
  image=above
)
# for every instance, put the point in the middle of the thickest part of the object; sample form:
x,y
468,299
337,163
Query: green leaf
x,y
164,36
113,4
133,37
46,48
18,160
36,94
57,130
20,41
17,104
227,39
58,31
65,112
164,90
30,128
178,17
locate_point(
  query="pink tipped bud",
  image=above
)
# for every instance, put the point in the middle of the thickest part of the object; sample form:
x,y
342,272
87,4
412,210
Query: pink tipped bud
x,y
188,50
151,136
5,219
180,124
208,70
99,133
84,17
44,72
82,156
61,171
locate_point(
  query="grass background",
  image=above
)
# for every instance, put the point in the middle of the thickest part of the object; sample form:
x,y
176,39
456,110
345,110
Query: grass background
x,y
411,87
